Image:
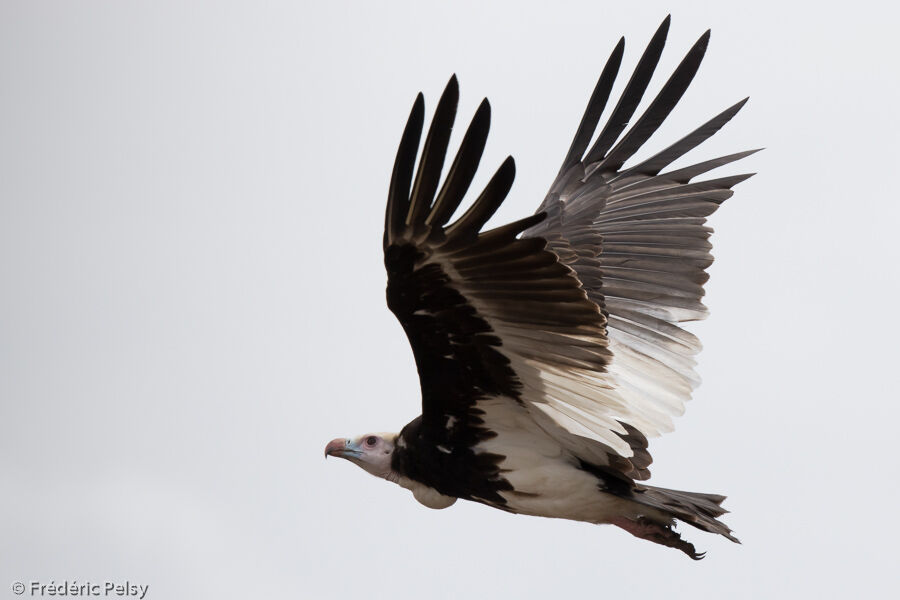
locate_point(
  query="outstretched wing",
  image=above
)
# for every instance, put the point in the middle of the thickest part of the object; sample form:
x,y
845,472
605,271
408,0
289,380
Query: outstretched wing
x,y
485,311
637,240
572,313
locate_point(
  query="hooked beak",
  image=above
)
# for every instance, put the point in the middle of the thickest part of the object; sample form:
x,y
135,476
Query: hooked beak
x,y
336,447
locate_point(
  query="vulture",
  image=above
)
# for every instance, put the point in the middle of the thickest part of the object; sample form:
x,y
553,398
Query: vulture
x,y
550,349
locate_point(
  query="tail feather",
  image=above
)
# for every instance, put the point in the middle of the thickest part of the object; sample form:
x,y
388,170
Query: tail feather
x,y
700,510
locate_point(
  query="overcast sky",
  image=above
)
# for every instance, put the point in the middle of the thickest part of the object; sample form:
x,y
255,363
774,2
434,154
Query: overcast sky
x,y
192,302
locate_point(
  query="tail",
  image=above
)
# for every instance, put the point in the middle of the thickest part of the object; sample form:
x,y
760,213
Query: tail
x,y
700,510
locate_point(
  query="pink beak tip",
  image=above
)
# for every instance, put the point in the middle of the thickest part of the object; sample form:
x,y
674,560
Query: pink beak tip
x,y
335,447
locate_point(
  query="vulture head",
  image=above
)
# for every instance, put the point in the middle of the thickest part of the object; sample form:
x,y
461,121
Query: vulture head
x,y
371,451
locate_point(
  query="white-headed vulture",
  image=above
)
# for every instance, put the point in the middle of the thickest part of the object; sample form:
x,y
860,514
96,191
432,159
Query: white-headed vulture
x,y
550,349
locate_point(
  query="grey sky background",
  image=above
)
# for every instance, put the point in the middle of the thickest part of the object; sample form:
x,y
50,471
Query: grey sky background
x,y
191,203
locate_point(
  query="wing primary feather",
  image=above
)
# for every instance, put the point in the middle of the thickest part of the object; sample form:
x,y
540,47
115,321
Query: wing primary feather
x,y
663,158
433,153
725,182
513,229
401,178
490,241
462,171
686,174
659,109
594,110
672,197
630,98
487,203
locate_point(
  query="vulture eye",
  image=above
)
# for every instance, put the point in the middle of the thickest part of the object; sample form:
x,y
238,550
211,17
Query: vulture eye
x,y
371,441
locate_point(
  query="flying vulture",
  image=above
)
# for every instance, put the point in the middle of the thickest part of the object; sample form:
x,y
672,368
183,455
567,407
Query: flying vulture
x,y
549,349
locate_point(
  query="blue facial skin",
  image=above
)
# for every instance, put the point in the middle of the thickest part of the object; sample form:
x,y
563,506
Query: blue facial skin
x,y
352,450
343,448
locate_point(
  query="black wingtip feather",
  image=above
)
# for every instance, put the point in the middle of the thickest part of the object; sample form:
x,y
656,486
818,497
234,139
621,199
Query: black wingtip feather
x,y
595,107
630,98
662,105
462,171
728,182
433,154
659,161
401,178
686,174
664,26
487,203
511,230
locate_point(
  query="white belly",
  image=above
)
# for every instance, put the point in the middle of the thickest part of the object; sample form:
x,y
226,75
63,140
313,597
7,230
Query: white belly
x,y
546,478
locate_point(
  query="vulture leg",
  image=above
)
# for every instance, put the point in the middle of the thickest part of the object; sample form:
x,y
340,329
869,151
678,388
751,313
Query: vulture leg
x,y
659,533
